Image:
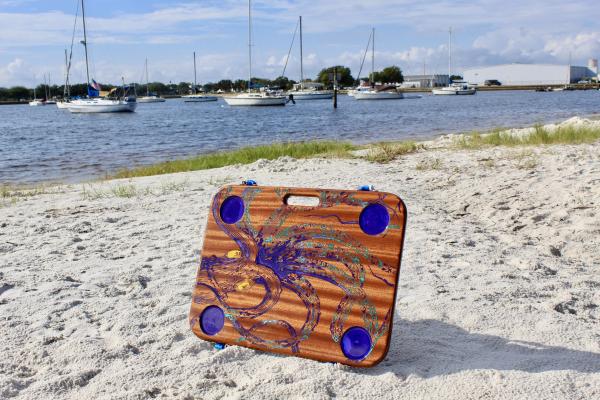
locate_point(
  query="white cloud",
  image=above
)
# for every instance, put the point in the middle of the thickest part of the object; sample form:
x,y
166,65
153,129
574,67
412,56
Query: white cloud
x,y
489,31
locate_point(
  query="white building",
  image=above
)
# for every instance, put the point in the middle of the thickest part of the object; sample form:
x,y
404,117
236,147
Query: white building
x,y
531,74
424,81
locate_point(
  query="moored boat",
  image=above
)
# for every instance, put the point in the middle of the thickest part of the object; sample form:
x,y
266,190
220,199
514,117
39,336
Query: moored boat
x,y
311,94
149,97
36,102
94,103
197,97
312,90
254,98
456,88
378,95
372,92
100,105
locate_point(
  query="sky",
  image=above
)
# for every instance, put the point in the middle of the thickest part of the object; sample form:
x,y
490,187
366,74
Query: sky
x,y
412,34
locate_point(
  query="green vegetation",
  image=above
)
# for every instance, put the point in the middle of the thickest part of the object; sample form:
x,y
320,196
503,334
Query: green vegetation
x,y
388,151
539,136
391,74
244,155
10,195
129,190
346,78
429,164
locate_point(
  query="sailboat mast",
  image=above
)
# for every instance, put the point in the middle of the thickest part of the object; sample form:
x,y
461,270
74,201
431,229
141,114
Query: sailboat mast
x,y
147,80
66,75
301,63
87,65
449,53
373,59
249,44
194,89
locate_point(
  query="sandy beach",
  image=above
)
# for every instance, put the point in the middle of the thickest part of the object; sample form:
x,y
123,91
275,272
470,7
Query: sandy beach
x,y
499,292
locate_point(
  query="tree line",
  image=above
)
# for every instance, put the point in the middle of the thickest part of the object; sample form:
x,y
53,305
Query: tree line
x,y
392,74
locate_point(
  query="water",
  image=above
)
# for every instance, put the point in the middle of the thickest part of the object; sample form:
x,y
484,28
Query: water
x,y
47,144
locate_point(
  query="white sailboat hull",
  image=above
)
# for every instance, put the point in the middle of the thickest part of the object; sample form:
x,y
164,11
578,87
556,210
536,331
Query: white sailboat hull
x,y
244,100
450,91
312,95
150,99
62,104
378,95
37,103
199,98
101,106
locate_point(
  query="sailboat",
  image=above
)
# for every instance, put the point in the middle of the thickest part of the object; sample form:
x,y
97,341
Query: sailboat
x,y
458,88
149,97
377,94
196,97
49,99
64,103
36,102
254,98
304,93
93,103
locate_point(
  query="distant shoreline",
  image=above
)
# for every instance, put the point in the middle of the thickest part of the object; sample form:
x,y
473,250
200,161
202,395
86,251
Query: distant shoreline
x,y
406,90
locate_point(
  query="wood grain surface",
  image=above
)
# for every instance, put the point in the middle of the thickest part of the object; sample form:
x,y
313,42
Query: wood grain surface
x,y
293,279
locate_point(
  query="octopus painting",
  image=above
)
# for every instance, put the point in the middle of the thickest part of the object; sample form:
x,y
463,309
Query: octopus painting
x,y
313,281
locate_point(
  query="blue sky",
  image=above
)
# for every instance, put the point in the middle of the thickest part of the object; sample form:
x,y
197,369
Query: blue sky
x,y
409,33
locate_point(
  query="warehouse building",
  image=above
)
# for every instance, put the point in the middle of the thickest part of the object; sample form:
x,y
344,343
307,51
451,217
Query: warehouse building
x,y
532,74
425,81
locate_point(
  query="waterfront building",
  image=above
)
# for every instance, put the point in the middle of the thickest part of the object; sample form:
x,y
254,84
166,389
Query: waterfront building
x,y
532,74
425,81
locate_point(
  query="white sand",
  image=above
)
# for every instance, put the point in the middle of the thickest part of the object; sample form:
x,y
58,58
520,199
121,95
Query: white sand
x,y
499,290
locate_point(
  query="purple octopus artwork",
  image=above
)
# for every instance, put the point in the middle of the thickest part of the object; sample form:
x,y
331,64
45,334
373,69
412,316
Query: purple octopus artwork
x,y
280,256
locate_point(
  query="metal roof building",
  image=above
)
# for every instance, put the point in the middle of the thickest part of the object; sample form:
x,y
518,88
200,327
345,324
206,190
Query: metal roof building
x,y
531,74
424,81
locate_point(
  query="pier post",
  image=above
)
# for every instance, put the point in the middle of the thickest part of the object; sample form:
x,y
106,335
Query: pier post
x,y
335,88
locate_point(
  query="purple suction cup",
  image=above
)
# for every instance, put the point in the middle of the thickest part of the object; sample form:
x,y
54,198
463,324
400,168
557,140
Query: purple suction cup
x,y
232,209
212,320
356,343
374,219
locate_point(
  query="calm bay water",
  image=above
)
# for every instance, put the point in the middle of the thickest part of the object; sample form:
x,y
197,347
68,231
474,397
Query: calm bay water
x,y
47,144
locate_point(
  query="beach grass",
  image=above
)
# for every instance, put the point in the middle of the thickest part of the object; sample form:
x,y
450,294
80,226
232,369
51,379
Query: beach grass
x,y
538,136
385,152
244,155
429,164
93,191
